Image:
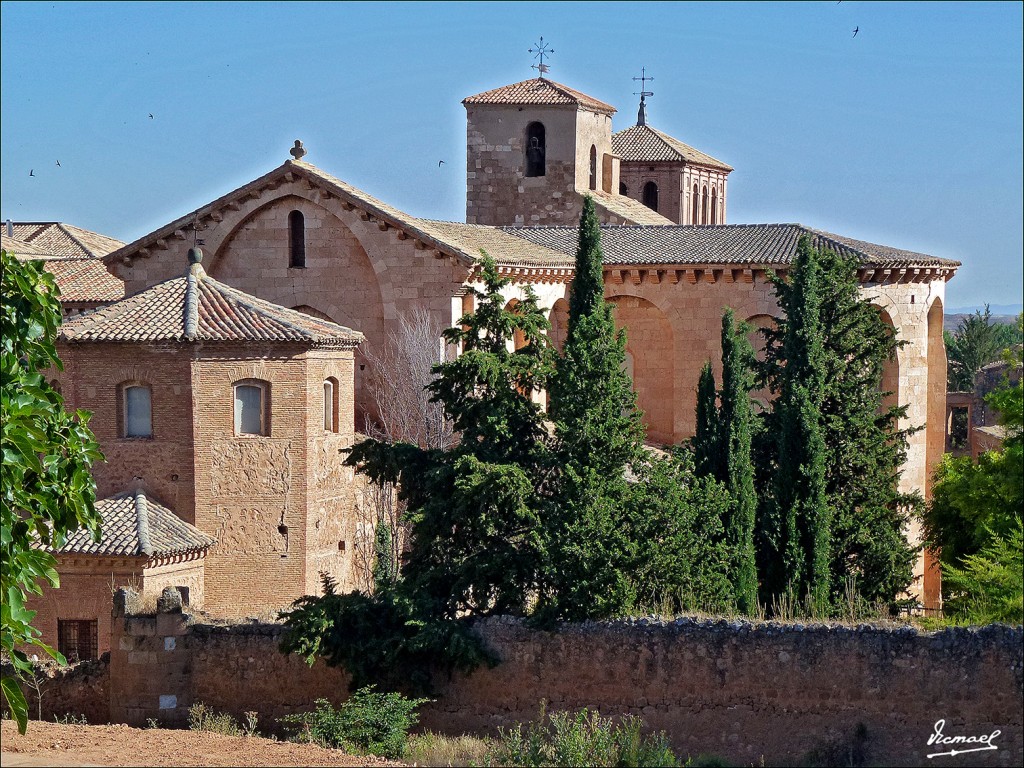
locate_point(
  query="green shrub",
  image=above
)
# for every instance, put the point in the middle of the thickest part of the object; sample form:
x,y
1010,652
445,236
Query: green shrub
x,y
989,585
368,722
202,718
582,738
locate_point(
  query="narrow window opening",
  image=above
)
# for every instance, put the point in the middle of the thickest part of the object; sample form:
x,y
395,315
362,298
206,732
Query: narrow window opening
x,y
623,189
535,149
296,240
650,195
714,206
593,167
331,404
695,204
250,408
704,207
138,411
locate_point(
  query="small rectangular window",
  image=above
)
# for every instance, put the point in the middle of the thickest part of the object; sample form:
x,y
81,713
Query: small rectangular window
x,y
248,409
138,410
329,406
77,639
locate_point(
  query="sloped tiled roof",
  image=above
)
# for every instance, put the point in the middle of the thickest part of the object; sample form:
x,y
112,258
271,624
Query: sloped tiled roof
x,y
459,240
767,244
22,249
632,210
504,248
641,143
85,280
135,526
540,90
195,307
56,239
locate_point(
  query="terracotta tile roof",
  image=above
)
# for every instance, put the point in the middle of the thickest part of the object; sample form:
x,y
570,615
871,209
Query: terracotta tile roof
x,y
135,526
505,249
641,143
22,249
54,238
195,307
762,244
85,281
627,208
540,90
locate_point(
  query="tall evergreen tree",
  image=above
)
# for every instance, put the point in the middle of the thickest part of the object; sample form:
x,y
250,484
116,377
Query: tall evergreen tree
x,y
735,441
833,451
707,449
599,434
798,508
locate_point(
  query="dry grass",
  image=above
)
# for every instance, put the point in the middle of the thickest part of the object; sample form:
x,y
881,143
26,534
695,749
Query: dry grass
x,y
434,749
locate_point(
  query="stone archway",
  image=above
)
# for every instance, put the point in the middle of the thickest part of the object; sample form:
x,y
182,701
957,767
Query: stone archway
x,y
891,369
649,340
559,319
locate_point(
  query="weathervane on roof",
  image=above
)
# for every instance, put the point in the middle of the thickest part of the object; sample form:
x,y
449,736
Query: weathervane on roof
x,y
641,115
540,52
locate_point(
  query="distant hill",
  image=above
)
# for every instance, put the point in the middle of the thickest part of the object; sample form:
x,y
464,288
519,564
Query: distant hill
x,y
951,322
995,309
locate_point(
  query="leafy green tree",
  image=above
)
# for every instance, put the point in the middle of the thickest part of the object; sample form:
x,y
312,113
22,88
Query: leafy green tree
x,y
974,343
47,453
989,585
972,501
833,449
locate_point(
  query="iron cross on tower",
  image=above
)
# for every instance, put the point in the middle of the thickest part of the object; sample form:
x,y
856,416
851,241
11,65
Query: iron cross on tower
x,y
641,115
540,52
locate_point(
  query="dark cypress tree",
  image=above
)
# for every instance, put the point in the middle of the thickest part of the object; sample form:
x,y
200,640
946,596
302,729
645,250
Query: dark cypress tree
x,y
830,453
707,450
598,434
735,443
795,369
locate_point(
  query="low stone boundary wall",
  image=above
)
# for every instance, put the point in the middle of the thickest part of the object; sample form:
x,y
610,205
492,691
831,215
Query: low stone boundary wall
x,y
78,690
782,693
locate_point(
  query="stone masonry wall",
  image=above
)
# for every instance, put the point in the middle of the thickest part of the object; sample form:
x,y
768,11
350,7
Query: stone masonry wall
x,y
741,691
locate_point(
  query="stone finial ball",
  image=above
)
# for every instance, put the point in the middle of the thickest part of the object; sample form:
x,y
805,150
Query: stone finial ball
x,y
195,255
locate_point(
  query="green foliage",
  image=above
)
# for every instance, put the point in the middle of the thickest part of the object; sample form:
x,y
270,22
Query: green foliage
x,y
706,442
384,566
829,452
368,722
976,505
977,341
45,484
582,738
431,749
587,294
379,638
989,586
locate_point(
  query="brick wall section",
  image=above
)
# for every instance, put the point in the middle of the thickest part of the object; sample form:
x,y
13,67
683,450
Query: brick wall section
x,y
78,690
734,689
162,465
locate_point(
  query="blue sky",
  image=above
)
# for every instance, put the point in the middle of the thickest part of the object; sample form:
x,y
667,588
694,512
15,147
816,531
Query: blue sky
x,y
909,134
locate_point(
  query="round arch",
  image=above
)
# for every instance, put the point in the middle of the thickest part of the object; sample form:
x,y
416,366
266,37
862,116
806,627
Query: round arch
x,y
559,319
651,347
891,369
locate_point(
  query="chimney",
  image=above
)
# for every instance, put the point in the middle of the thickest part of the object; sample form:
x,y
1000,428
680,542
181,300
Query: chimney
x,y
10,228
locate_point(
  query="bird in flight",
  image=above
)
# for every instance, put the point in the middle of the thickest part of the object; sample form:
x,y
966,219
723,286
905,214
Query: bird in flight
x,y
440,163
32,172
58,163
150,115
855,31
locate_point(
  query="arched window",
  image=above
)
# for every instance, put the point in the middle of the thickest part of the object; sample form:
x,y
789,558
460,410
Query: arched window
x,y
714,206
650,195
623,189
252,407
331,404
535,149
296,240
593,167
696,204
137,410
704,206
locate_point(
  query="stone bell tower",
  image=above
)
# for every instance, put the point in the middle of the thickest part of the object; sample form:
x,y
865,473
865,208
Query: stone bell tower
x,y
533,149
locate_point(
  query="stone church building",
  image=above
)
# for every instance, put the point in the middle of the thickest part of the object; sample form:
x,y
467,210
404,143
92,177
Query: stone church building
x,y
309,243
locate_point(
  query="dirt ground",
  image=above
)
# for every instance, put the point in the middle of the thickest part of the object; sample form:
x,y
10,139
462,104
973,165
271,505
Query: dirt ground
x,y
117,745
